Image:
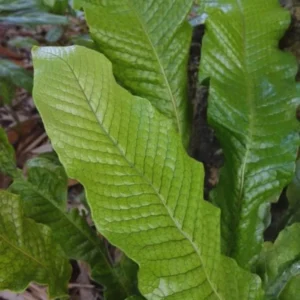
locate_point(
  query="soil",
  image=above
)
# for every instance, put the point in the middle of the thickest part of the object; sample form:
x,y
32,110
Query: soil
x,y
204,146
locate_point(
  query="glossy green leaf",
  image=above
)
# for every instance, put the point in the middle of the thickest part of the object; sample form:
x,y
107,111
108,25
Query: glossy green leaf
x,y
45,197
202,7
28,252
7,156
280,262
148,43
252,104
291,290
15,74
50,3
144,191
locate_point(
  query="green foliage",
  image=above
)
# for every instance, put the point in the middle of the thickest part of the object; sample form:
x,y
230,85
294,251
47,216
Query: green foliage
x,y
279,264
16,74
84,40
291,290
30,12
128,149
57,6
28,252
252,109
7,156
27,12
7,91
293,195
21,42
54,34
11,76
44,195
143,189
134,298
148,45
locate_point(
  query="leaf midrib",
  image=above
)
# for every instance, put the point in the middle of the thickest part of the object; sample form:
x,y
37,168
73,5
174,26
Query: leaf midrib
x,y
162,70
22,251
142,175
251,123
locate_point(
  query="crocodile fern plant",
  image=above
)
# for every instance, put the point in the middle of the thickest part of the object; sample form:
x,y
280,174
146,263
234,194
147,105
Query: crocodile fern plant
x,y
119,120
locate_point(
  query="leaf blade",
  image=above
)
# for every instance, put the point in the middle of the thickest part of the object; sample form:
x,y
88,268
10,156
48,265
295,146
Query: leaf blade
x,y
279,263
259,159
7,156
291,290
148,44
127,159
45,196
28,252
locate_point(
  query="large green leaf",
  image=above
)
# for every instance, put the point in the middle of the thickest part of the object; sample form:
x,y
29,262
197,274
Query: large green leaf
x,y
142,187
279,263
148,44
45,196
252,109
28,252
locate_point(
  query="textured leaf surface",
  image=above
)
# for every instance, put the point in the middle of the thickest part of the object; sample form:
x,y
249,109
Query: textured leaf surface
x,y
7,156
28,252
252,109
142,187
45,197
148,44
291,290
279,263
